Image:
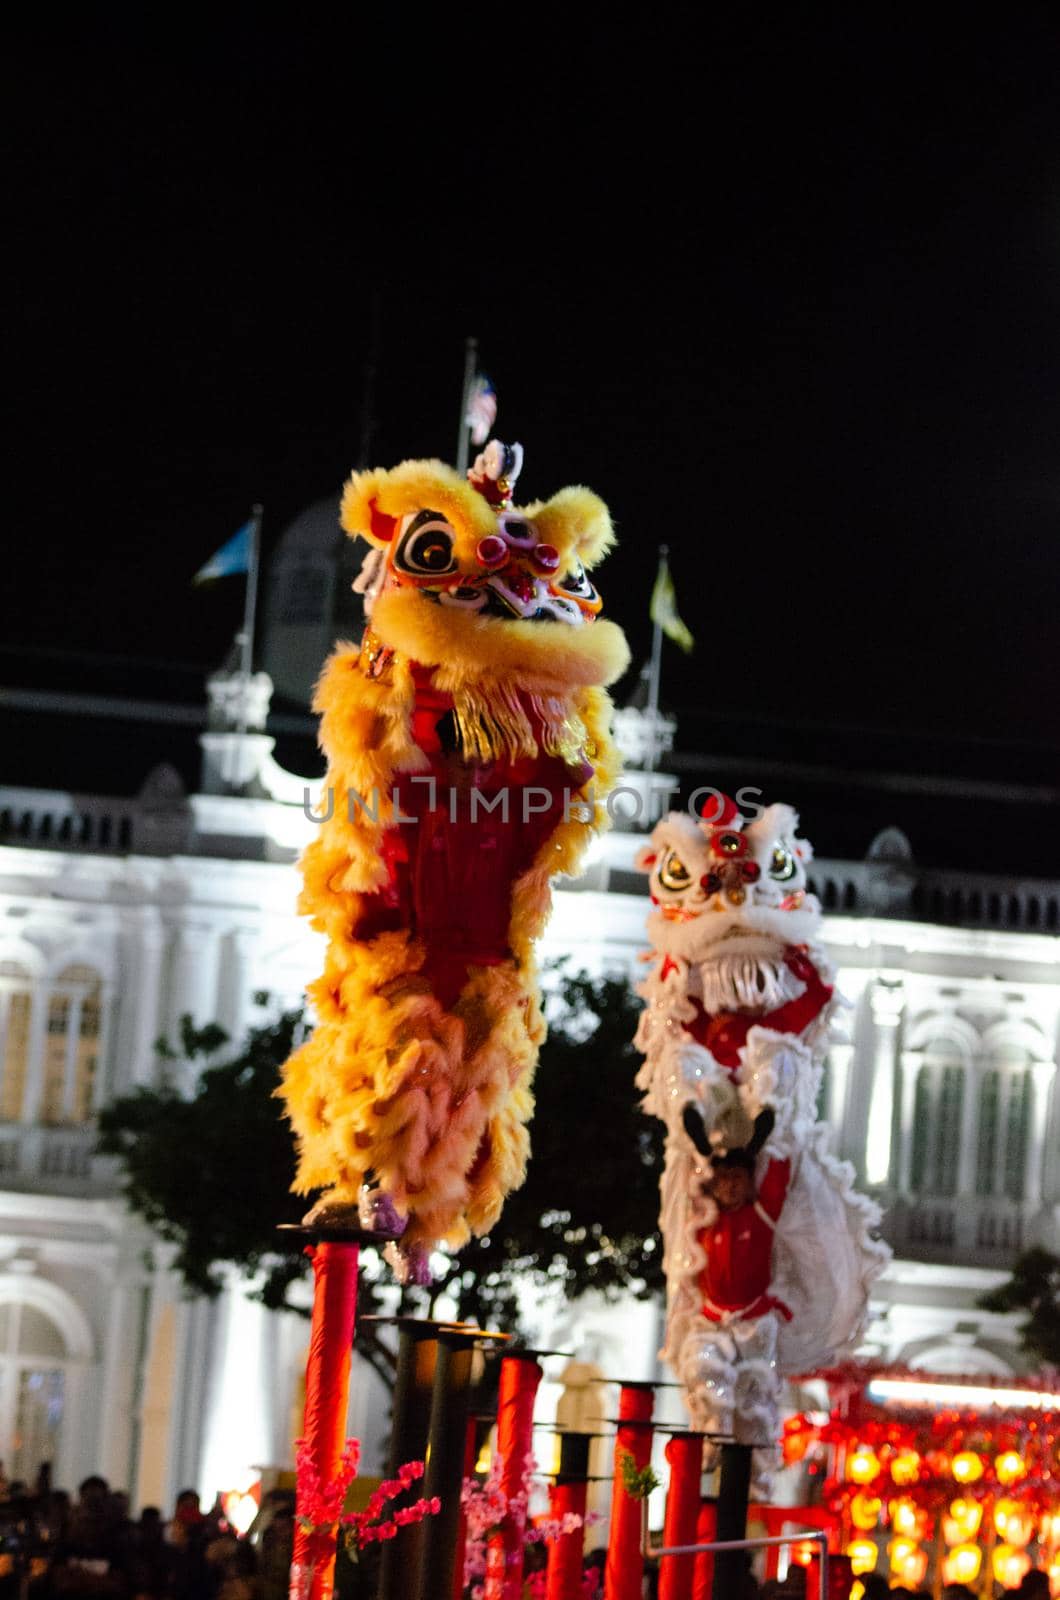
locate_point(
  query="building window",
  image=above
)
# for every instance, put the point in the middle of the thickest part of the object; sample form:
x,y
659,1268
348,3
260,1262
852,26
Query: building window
x,y
937,1111
1005,1103
71,1047
32,1387
15,1007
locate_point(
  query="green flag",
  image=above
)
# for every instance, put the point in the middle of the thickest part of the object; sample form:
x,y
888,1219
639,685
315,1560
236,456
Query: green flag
x,y
663,609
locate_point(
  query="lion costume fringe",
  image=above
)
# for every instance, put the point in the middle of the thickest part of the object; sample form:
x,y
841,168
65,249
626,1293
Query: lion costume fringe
x,y
469,757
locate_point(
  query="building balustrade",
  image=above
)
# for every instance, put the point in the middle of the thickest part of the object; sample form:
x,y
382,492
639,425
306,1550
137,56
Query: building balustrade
x,y
963,1231
55,1160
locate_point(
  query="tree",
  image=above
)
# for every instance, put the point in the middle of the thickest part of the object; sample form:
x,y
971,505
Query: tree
x,y
586,1217
1035,1287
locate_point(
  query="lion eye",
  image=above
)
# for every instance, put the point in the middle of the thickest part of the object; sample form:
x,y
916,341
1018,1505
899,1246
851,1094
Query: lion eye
x,y
426,548
673,874
782,864
575,582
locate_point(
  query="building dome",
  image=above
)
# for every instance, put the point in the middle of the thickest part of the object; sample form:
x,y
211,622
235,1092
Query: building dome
x,y
308,603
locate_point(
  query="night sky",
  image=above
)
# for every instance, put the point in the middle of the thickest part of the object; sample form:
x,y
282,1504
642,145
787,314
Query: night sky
x,y
787,297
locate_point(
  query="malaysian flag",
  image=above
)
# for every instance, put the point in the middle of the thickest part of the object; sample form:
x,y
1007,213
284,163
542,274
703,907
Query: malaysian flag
x,y
481,411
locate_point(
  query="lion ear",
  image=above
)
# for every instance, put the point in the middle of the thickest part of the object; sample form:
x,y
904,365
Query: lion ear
x,y
645,858
360,513
577,522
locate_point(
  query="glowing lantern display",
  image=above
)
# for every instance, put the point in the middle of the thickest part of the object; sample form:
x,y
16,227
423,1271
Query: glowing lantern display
x,y
863,1464
963,1521
1010,1467
908,1562
1049,1529
962,1564
1010,1565
803,1554
865,1511
905,1468
1014,1522
1054,1576
908,1519
863,1554
967,1466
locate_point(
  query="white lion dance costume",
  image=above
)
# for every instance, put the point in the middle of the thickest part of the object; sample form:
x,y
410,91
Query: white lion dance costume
x,y
768,1251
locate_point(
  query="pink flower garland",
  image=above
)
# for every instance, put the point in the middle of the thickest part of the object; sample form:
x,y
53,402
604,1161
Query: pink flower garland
x,y
320,1504
486,1506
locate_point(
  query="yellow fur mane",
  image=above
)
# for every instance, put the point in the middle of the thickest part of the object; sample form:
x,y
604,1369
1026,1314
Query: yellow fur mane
x,y
392,1083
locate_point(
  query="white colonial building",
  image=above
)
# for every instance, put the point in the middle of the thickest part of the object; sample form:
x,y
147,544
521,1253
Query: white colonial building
x,y
119,916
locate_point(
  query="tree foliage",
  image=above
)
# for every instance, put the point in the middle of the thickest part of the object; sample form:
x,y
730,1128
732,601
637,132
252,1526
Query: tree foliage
x,y
1034,1287
211,1172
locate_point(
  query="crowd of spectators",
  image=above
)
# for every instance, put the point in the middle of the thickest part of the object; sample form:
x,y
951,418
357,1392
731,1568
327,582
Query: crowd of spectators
x,y
89,1548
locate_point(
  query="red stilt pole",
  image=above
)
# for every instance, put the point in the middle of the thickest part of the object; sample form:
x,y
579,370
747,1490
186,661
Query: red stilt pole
x,y
327,1388
684,1452
624,1572
570,1493
470,1457
520,1376
706,1527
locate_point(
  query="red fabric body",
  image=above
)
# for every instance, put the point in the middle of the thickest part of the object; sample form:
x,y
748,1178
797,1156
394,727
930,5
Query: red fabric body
x,y
327,1387
515,1441
684,1452
453,863
564,1578
706,1527
739,1250
725,1034
624,1570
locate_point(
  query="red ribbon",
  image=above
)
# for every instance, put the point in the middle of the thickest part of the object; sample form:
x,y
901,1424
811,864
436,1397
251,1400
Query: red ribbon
x,y
624,1572
684,1452
564,1581
520,1377
327,1387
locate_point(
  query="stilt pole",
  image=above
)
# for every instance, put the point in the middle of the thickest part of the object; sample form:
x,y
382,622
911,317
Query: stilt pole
x,y
733,1494
570,1493
684,1452
450,1408
519,1378
624,1572
327,1388
401,1565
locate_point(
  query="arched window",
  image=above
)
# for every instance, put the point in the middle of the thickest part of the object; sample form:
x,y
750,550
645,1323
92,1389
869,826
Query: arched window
x,y
938,1104
16,999
71,1046
1005,1104
33,1362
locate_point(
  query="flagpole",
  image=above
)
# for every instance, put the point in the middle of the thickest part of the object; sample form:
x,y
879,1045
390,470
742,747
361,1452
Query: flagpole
x,y
464,436
250,605
655,671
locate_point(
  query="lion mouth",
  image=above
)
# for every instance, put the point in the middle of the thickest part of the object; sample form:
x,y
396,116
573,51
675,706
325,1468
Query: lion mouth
x,y
497,597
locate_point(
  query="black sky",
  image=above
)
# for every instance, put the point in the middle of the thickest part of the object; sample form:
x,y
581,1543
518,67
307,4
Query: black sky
x,y
786,295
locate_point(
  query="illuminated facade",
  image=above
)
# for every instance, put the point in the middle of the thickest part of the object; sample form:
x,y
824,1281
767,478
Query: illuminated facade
x,y
117,917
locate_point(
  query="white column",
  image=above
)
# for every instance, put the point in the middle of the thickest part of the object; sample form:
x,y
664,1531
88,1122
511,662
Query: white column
x,y
1051,1144
193,990
140,1018
887,1002
40,998
236,979
911,1063
121,1362
968,1152
854,1124
840,1058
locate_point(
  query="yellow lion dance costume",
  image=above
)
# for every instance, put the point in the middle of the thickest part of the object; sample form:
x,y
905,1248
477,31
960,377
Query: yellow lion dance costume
x,y
469,757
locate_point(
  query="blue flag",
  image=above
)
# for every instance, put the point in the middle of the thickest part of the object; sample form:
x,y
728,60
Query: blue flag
x,y
231,558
